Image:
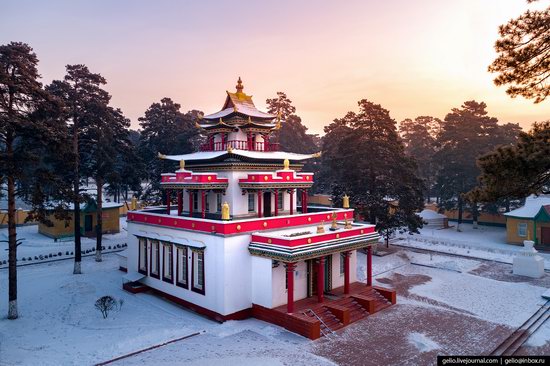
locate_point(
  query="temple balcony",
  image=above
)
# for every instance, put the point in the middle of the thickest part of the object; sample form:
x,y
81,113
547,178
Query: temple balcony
x,y
158,216
239,145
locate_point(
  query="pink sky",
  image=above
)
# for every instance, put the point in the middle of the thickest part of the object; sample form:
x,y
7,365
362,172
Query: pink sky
x,y
413,57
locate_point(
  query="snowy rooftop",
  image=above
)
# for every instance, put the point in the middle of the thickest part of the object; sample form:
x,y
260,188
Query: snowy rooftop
x,y
265,155
532,207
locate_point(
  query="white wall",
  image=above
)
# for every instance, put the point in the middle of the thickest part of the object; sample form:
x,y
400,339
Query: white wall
x,y
226,268
300,283
262,277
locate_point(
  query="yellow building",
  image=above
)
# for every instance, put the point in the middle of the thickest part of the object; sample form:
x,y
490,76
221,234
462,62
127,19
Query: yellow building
x,y
88,221
530,222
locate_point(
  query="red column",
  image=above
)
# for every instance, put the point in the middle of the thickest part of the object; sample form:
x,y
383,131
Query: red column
x,y
168,196
249,140
290,287
260,203
291,201
369,266
203,203
320,279
276,202
346,272
180,202
190,203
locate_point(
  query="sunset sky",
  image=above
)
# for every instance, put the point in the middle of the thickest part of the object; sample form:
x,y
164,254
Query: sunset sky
x,y
413,57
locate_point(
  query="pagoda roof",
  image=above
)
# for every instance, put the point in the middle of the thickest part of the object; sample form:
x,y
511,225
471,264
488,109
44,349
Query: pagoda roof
x,y
241,103
260,155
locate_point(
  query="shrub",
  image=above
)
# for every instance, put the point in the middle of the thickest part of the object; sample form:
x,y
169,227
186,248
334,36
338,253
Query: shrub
x,y
109,247
72,253
59,254
24,259
41,257
67,252
35,258
29,259
50,255
105,304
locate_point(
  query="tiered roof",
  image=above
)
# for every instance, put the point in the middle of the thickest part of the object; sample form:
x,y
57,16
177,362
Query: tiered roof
x,y
238,109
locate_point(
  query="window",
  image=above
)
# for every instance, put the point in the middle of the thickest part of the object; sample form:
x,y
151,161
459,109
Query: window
x,y
181,265
198,272
251,202
342,263
207,203
280,200
195,201
522,229
142,254
167,262
219,202
155,259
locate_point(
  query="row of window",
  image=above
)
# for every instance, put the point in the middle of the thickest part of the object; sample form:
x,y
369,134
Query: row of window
x,y
153,252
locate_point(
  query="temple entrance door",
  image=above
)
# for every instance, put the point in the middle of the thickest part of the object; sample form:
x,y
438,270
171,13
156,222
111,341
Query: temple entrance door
x,y
88,224
312,276
267,204
545,235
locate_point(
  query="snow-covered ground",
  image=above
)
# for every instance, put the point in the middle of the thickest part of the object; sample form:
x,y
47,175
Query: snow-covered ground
x,y
34,244
58,323
486,242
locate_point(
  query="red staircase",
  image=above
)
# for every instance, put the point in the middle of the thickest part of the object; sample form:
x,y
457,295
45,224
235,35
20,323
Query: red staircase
x,y
336,314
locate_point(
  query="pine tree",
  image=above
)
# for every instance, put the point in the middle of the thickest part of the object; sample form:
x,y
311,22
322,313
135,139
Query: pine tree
x,y
523,61
518,170
364,157
466,133
104,140
166,130
31,131
292,135
80,90
419,136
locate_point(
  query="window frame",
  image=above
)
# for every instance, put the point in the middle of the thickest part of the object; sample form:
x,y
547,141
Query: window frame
x,y
194,262
151,273
251,202
280,200
142,270
342,264
164,266
195,201
185,284
524,226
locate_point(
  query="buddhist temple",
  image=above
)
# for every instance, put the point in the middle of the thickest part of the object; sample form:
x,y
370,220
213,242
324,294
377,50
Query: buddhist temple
x,y
237,238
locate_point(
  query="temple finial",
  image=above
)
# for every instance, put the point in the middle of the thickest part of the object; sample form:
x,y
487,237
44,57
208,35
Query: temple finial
x,y
239,86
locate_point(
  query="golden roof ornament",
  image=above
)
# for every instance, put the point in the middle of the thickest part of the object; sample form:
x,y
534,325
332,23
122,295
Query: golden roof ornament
x,y
161,156
345,201
321,228
225,211
229,148
334,225
239,86
278,125
234,108
347,224
133,204
249,119
221,120
197,125
316,155
286,164
182,164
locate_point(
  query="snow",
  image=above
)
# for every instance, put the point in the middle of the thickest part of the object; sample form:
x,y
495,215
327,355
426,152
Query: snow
x,y
486,242
540,337
531,208
58,324
35,244
495,301
421,342
430,215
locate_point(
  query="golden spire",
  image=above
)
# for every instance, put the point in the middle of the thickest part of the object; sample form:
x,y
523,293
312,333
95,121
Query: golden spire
x,y
221,120
239,86
286,164
249,119
182,164
345,201
161,156
229,148
225,211
316,155
234,108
